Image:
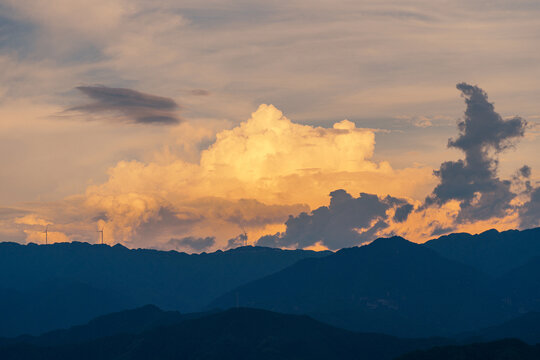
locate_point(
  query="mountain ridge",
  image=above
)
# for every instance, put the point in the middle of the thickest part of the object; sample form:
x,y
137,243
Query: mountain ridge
x,y
101,279
239,333
380,283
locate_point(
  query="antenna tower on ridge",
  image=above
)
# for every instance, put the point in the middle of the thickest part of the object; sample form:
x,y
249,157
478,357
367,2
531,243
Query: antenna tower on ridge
x,y
244,235
101,231
46,232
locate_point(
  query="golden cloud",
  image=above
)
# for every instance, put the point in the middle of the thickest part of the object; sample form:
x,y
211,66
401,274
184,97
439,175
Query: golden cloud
x,y
253,176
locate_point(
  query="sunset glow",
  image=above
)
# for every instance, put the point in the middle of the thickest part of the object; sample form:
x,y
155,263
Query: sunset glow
x,y
183,127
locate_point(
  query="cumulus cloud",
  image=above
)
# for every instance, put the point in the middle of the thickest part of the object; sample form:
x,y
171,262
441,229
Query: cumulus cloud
x,y
267,174
347,221
252,176
473,181
193,243
469,197
130,105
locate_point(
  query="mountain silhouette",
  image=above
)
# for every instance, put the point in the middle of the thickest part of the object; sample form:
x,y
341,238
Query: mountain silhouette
x,y
233,334
46,287
54,304
520,287
507,349
132,321
391,286
492,252
525,328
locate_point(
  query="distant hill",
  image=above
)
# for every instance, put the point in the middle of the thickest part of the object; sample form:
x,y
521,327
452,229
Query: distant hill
x,y
390,286
132,321
45,287
520,287
525,328
54,304
454,284
233,334
492,252
151,333
507,349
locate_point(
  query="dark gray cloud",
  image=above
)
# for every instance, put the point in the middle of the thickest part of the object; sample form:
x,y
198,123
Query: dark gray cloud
x,y
269,240
347,221
130,105
440,230
525,171
402,212
473,181
194,243
240,240
529,213
522,180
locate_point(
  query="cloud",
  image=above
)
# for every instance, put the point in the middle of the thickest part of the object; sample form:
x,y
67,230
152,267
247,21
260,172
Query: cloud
x,y
10,213
402,212
474,181
10,229
439,230
525,171
193,243
252,176
239,240
346,222
265,175
529,213
131,105
199,92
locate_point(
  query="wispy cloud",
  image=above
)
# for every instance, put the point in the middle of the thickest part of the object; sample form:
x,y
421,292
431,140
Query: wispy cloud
x,y
129,105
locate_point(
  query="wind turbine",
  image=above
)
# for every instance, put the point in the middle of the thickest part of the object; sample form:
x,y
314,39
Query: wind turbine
x,y
244,233
46,232
101,231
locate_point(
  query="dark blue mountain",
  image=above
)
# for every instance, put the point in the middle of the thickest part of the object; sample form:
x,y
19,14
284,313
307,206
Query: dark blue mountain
x,y
45,287
234,334
507,349
391,286
520,287
492,252
525,328
132,321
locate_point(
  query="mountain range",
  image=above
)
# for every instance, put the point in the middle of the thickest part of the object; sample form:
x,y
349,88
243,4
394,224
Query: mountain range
x,y
402,288
45,287
449,292
148,333
243,333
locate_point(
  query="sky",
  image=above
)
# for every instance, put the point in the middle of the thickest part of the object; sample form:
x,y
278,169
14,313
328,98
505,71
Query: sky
x,y
205,125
